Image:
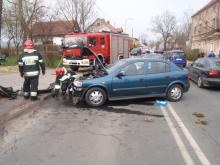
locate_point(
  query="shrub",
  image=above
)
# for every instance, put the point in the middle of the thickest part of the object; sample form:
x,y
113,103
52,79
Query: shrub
x,y
52,59
10,61
192,55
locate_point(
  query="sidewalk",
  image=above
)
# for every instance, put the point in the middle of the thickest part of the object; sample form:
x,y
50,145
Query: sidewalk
x,y
12,108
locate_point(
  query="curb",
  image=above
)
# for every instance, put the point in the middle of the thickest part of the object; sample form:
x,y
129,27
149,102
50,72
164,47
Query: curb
x,y
4,118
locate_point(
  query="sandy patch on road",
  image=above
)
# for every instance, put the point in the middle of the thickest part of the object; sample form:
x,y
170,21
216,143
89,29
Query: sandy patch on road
x,y
8,69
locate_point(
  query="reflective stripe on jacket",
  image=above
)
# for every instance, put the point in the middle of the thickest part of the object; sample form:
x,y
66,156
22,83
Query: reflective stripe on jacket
x,y
30,62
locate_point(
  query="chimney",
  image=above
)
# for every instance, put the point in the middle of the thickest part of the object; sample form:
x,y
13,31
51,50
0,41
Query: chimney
x,y
108,22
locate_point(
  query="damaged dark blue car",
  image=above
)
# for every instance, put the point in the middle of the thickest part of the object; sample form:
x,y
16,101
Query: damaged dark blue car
x,y
134,78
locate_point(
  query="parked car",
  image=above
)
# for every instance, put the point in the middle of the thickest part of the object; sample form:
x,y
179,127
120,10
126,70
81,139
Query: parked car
x,y
177,57
205,72
134,78
2,58
136,52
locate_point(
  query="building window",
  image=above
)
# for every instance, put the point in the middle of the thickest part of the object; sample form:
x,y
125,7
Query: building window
x,y
195,30
200,28
214,23
206,26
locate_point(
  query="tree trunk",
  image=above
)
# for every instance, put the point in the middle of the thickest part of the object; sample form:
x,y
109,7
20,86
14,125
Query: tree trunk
x,y
1,1
165,45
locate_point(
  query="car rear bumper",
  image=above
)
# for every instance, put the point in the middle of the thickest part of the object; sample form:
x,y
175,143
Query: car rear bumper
x,y
215,82
182,64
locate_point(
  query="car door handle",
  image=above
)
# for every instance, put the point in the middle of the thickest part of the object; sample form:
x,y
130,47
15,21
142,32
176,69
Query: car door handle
x,y
167,77
141,79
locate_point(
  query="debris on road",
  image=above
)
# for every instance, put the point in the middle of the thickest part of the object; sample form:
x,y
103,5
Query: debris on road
x,y
9,69
201,121
161,103
8,92
199,114
148,119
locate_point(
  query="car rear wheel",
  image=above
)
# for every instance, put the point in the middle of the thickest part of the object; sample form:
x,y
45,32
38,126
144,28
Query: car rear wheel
x,y
95,97
175,93
200,82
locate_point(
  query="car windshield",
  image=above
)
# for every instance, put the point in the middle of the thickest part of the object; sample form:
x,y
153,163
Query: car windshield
x,y
73,41
178,54
113,67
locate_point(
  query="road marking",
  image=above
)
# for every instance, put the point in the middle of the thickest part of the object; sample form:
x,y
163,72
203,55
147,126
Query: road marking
x,y
184,152
201,156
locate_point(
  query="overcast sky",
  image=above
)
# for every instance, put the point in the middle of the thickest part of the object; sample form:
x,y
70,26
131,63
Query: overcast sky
x,y
139,13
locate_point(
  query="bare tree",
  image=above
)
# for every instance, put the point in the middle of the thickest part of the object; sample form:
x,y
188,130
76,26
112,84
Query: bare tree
x,y
19,16
164,24
1,2
12,24
29,11
183,30
78,12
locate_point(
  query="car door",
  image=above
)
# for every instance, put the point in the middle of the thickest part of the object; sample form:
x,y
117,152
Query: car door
x,y
131,81
194,70
199,68
158,77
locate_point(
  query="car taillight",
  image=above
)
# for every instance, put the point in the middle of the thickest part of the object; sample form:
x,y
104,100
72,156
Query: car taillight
x,y
59,72
213,73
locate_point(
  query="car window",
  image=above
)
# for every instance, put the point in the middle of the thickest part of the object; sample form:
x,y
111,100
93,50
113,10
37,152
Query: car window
x,y
207,64
134,69
196,63
102,41
178,54
157,67
201,63
216,63
115,66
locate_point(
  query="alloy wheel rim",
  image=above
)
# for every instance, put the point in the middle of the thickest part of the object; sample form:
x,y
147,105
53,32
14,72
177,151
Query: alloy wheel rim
x,y
176,93
199,82
96,97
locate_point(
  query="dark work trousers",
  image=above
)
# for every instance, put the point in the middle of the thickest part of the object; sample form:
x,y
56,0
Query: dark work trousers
x,y
30,87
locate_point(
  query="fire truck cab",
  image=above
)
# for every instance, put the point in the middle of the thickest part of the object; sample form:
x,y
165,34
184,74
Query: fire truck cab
x,y
79,48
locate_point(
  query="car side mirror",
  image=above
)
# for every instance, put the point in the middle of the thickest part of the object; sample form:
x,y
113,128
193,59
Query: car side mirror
x,y
121,74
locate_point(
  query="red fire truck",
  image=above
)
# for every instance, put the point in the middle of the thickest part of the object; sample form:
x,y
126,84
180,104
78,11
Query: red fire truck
x,y
109,47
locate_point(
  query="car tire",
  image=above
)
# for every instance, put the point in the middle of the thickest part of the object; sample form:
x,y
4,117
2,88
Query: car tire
x,y
175,93
95,97
200,82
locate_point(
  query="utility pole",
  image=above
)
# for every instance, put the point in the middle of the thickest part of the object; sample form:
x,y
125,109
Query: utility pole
x,y
1,1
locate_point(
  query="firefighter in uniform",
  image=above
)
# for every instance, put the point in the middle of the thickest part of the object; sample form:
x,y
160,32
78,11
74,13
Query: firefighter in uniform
x,y
29,63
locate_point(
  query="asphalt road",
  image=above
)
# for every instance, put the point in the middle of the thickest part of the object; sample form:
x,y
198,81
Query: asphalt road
x,y
120,133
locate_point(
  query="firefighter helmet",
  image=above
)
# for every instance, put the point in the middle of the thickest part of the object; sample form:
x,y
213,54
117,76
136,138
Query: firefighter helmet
x,y
28,44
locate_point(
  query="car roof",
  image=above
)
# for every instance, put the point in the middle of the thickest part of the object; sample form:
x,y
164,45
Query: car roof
x,y
210,59
143,59
176,51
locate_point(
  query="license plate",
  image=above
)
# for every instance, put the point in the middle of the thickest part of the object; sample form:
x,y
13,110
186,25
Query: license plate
x,y
179,59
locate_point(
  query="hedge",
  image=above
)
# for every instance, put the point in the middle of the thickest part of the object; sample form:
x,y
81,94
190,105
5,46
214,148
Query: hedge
x,y
192,55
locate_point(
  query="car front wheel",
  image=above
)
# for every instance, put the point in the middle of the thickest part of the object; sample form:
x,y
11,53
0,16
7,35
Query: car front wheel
x,y
175,93
95,97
